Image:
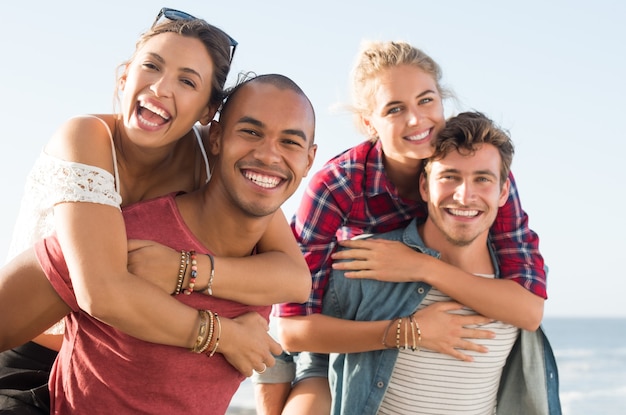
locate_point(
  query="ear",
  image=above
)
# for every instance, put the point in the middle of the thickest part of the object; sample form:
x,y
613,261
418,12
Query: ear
x,y
504,193
311,159
215,135
207,115
424,186
367,124
121,82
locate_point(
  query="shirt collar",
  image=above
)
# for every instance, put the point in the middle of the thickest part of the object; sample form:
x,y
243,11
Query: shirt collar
x,y
377,181
412,238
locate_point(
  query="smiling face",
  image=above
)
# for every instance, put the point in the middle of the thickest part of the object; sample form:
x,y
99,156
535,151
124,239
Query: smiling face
x,y
265,146
463,193
166,88
407,113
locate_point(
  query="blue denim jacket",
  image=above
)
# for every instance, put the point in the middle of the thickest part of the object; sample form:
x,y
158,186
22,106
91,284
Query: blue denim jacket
x,y
529,383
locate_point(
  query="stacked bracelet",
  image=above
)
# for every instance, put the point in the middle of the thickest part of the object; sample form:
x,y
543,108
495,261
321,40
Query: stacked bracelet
x,y
207,336
207,342
202,338
398,330
219,334
194,272
410,324
415,327
184,261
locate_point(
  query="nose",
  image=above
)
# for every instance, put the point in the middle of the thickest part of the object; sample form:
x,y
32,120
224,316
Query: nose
x,y
162,87
415,115
464,193
268,151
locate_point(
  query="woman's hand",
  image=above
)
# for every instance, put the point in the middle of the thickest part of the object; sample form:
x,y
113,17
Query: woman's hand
x,y
445,332
381,260
247,345
154,262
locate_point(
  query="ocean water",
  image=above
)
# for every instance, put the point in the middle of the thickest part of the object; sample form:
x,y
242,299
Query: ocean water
x,y
591,357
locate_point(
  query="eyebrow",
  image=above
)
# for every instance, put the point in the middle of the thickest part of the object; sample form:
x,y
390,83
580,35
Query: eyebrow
x,y
258,123
485,172
185,69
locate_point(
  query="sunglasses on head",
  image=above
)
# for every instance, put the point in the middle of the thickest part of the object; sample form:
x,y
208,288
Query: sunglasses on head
x,y
172,14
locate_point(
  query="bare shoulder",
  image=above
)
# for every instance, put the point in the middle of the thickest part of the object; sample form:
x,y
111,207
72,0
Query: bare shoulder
x,y
84,140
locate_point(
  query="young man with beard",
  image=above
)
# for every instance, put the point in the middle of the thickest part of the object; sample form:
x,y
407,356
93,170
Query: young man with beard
x,y
463,184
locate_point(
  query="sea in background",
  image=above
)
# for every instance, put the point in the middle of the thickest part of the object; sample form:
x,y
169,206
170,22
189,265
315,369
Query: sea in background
x,y
591,357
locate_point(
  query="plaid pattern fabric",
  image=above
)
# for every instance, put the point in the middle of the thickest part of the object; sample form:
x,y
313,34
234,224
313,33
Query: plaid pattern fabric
x,y
351,195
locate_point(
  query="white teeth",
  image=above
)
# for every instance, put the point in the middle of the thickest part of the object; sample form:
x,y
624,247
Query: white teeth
x,y
148,123
267,182
419,136
467,213
158,111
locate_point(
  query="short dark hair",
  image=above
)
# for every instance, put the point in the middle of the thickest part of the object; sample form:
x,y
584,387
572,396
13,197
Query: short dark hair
x,y
277,80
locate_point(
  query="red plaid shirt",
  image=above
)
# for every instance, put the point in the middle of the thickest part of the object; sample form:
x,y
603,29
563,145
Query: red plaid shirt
x,y
351,195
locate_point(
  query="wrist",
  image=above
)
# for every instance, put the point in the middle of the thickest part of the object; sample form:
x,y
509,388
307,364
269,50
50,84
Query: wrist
x,y
427,269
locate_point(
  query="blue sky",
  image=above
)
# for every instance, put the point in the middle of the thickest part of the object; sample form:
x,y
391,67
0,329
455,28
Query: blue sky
x,y
552,73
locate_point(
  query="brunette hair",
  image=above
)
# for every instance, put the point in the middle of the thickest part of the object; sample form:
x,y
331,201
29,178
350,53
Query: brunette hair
x,y
215,41
465,133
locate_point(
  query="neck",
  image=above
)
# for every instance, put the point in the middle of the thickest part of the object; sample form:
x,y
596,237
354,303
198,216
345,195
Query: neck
x,y
473,258
149,172
221,227
404,174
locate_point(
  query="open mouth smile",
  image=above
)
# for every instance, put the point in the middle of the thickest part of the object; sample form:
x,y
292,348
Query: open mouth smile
x,y
419,137
262,180
150,115
467,213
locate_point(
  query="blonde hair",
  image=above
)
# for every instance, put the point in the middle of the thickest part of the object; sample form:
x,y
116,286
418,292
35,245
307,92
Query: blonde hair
x,y
377,56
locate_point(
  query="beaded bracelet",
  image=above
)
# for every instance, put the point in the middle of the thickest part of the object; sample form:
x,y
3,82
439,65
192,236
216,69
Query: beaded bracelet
x,y
209,337
413,323
398,331
219,334
416,346
194,273
184,261
410,324
407,322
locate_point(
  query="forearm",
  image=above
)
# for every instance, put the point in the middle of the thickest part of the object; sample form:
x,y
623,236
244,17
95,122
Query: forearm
x,y
28,303
498,298
263,279
278,273
142,310
324,334
96,257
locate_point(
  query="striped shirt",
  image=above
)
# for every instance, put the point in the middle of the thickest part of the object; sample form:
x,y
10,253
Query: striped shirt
x,y
427,382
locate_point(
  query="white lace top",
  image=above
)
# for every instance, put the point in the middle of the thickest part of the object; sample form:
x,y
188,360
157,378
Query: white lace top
x,y
52,181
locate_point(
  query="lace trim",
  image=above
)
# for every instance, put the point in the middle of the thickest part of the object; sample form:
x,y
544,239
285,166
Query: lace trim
x,y
53,181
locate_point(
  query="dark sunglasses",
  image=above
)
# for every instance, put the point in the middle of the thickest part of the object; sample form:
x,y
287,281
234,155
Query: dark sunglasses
x,y
172,14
